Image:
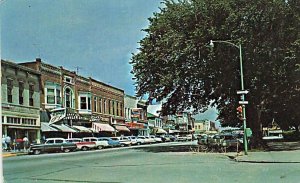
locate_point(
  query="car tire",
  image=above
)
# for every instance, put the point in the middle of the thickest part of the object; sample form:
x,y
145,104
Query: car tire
x,y
138,143
84,148
67,150
37,152
100,147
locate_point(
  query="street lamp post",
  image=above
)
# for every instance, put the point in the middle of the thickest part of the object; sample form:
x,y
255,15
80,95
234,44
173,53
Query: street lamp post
x,y
239,46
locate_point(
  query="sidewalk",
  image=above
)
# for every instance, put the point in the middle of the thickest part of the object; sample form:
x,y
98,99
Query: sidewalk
x,y
6,154
270,157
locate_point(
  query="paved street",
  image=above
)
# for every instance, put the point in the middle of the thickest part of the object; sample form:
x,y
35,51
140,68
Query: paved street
x,y
143,164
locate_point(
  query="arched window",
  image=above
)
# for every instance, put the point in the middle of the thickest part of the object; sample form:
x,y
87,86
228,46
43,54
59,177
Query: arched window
x,y
68,98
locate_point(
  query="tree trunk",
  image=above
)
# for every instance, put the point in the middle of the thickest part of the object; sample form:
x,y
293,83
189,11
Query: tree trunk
x,y
254,122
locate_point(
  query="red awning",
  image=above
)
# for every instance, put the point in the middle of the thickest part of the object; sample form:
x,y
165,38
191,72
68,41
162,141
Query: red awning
x,y
132,125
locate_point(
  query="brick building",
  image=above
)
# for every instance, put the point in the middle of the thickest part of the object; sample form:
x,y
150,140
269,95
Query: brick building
x,y
75,100
20,90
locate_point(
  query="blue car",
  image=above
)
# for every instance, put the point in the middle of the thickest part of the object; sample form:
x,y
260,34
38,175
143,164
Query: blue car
x,y
111,142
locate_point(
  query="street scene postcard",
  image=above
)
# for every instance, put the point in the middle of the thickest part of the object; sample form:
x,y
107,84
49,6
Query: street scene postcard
x,y
143,91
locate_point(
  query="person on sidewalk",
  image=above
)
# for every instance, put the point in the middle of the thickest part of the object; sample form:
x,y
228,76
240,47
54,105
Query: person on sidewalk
x,y
8,142
4,145
26,143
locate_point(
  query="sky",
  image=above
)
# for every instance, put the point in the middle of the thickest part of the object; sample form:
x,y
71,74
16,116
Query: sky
x,y
97,37
94,37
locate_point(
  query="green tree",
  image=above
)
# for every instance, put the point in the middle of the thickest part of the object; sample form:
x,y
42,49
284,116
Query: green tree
x,y
175,64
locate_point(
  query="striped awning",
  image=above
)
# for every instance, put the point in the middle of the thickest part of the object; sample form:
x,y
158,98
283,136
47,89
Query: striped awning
x,y
98,127
82,128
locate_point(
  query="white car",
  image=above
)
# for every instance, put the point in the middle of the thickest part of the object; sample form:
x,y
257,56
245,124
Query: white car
x,y
99,143
133,140
141,140
150,140
156,139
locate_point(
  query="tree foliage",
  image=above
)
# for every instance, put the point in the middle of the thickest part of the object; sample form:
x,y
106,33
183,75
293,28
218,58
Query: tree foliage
x,y
176,64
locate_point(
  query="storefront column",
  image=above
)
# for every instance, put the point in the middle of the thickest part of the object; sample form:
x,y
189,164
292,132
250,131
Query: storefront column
x,y
38,136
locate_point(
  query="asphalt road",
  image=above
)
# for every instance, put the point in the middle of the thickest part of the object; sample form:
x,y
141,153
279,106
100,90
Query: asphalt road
x,y
153,164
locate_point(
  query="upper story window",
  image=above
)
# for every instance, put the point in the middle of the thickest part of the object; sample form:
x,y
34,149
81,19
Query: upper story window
x,y
95,104
52,93
31,92
68,79
100,105
69,98
85,101
113,107
104,106
21,92
9,90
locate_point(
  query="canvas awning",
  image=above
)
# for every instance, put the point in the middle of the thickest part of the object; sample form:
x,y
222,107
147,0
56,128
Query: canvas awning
x,y
45,127
82,128
122,128
98,127
159,130
64,128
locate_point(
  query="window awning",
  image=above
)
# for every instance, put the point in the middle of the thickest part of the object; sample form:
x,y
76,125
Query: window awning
x,y
122,128
98,127
82,128
64,128
45,127
160,130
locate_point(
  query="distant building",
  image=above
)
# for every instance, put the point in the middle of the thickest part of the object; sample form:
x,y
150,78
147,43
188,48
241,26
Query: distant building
x,y
136,115
20,100
201,126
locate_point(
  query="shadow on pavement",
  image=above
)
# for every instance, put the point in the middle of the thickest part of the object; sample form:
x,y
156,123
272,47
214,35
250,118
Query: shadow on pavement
x,y
158,149
282,146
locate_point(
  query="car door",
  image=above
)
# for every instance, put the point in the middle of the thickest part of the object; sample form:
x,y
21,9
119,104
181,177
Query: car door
x,y
50,146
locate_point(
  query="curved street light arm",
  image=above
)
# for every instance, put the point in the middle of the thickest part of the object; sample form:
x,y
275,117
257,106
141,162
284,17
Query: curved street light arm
x,y
227,42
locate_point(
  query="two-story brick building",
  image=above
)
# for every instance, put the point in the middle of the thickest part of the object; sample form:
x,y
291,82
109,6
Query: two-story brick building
x,y
20,90
78,101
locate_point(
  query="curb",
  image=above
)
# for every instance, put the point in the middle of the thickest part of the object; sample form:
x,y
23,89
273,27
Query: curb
x,y
13,154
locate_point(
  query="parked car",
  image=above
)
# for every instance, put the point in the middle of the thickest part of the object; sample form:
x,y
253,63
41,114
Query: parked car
x,y
52,145
156,138
189,137
124,141
133,140
149,140
111,142
141,140
231,140
165,138
181,138
100,144
82,145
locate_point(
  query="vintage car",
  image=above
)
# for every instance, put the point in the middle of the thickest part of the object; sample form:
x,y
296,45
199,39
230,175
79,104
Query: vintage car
x,y
100,144
52,145
81,145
